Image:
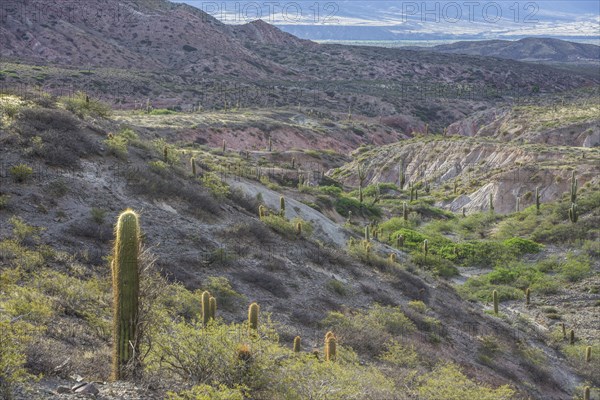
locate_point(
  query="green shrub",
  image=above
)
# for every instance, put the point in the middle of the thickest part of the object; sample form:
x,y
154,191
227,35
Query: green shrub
x,y
447,382
521,246
82,105
162,111
4,198
345,204
215,185
117,146
576,267
22,231
220,288
337,287
207,392
21,172
14,340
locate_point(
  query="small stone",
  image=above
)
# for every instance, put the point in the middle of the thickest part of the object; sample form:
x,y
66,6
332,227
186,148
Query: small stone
x,y
63,389
88,388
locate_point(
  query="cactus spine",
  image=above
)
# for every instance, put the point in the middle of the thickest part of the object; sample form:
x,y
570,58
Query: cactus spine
x,y
425,247
330,347
253,316
296,347
527,295
212,307
193,163
537,200
205,302
572,337
573,216
588,354
125,281
495,298
282,206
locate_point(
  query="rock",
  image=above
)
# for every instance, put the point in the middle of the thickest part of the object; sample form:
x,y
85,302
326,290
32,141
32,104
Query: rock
x,y
63,389
88,388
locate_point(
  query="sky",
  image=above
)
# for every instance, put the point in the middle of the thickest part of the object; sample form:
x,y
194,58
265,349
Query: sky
x,y
375,19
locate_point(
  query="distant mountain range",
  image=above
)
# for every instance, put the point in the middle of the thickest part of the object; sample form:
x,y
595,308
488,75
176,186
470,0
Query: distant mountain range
x,y
528,49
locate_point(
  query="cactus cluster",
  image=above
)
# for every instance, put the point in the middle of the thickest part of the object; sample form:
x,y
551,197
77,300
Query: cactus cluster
x,y
126,286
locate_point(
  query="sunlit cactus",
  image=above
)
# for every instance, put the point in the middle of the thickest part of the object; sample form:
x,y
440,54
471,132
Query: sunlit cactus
x,y
253,316
299,228
205,303
212,306
588,354
425,247
125,281
296,346
330,347
262,211
393,257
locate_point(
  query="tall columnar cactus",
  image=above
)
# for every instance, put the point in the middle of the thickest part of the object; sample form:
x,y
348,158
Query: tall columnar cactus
x,y
193,164
205,302
412,193
537,200
416,194
573,214
491,206
367,235
126,286
224,147
400,241
586,393
261,211
299,228
573,188
296,347
253,316
588,354
166,153
464,210
293,162
564,330
393,257
401,176
404,211
330,347
282,206
495,298
425,247
455,186
270,144
518,205
527,296
572,337
212,307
